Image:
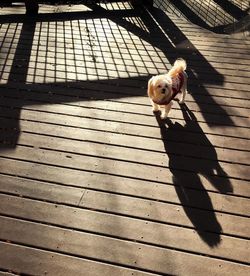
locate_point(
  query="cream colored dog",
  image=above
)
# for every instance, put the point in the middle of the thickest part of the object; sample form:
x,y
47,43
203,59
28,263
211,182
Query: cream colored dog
x,y
162,89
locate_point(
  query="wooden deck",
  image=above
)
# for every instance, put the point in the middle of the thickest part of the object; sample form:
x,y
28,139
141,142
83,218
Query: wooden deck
x,y
91,181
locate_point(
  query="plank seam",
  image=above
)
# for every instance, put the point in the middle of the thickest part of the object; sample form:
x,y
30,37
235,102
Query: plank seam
x,y
54,225
100,172
114,213
102,190
61,252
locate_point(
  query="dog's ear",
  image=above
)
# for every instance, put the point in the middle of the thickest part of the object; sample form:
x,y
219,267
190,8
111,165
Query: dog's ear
x,y
151,87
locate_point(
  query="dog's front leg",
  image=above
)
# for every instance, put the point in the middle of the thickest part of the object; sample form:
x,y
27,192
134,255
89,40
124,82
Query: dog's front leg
x,y
155,107
166,110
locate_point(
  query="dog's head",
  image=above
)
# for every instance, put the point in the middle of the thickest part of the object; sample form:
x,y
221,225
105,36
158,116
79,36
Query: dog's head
x,y
159,87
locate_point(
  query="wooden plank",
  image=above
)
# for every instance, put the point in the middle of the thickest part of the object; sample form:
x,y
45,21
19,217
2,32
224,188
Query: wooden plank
x,y
222,64
227,50
58,194
140,83
230,82
159,153
239,186
136,142
107,90
150,210
147,170
21,168
126,46
123,253
191,31
23,259
158,156
135,104
237,105
121,127
122,185
222,92
124,228
106,41
175,214
221,42
225,69
94,149
219,202
106,148
195,31
106,49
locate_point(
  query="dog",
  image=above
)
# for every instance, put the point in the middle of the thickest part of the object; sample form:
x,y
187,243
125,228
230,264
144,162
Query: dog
x,y
162,89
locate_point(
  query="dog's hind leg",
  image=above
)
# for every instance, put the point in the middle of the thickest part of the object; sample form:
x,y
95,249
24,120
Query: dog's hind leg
x,y
183,92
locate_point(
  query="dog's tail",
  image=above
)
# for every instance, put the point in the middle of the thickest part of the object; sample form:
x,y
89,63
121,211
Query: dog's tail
x,y
180,65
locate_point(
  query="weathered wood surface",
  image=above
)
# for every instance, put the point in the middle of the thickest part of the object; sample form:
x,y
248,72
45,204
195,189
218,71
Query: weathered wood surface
x,y
91,181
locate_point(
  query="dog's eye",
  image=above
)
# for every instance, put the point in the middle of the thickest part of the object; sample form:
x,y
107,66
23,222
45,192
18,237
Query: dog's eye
x,y
159,86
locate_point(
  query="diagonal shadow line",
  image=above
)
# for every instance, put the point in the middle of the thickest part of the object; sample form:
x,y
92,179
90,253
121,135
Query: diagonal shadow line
x,y
231,9
201,223
29,25
226,5
162,42
183,45
163,27
190,14
28,28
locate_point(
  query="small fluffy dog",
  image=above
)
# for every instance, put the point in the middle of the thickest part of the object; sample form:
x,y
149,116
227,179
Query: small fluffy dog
x,y
162,89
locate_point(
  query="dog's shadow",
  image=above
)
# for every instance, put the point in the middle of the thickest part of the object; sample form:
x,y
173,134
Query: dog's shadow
x,y
186,165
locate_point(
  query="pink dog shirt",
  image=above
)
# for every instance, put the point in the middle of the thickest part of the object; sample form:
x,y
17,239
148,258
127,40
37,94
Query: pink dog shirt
x,y
177,83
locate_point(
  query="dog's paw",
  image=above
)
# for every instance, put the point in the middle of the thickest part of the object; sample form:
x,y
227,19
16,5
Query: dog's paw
x,y
164,115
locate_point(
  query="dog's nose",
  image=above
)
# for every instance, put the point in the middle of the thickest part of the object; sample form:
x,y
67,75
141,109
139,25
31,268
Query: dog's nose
x,y
163,90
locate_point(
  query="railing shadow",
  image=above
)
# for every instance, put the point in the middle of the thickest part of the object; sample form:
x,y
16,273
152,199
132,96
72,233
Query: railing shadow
x,y
164,30
189,188
158,25
217,17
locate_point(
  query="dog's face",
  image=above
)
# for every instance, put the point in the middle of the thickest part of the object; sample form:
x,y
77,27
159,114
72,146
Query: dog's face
x,y
159,86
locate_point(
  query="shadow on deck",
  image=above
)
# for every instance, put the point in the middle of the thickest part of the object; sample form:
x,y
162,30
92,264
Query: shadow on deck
x,y
159,28
81,146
